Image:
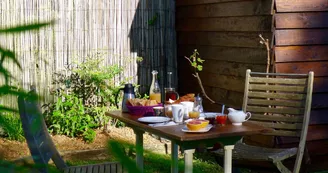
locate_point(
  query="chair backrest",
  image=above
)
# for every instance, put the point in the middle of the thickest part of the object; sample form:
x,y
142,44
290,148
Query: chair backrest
x,y
282,102
37,137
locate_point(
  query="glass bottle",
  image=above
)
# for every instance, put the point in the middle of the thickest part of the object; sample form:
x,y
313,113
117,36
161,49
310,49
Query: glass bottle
x,y
198,105
155,90
170,93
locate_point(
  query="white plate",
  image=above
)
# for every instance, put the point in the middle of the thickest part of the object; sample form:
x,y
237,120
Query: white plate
x,y
153,119
205,129
209,114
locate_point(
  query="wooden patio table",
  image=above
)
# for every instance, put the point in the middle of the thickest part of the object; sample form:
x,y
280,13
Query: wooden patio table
x,y
227,135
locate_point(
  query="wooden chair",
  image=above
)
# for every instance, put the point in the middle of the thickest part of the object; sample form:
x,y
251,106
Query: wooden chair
x,y
280,101
41,146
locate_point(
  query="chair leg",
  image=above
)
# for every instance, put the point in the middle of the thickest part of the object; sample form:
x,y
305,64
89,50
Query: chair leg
x,y
228,158
282,168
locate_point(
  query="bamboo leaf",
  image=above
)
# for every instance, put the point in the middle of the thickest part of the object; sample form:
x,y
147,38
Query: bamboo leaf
x,y
6,74
6,109
119,153
11,55
28,27
6,90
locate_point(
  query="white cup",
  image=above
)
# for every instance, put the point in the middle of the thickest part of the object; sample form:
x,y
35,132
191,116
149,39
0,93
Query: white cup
x,y
177,112
188,107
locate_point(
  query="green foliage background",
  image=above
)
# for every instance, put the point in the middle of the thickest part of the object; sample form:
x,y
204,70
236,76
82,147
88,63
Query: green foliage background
x,y
11,124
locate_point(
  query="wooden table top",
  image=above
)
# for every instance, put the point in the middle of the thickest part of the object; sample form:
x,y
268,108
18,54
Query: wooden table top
x,y
175,133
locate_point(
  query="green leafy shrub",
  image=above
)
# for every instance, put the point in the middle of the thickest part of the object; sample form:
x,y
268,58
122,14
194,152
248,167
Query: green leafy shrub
x,y
91,82
70,118
84,93
89,136
13,129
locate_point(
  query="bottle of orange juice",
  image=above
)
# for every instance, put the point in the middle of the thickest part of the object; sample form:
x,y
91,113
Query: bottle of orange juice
x,y
155,90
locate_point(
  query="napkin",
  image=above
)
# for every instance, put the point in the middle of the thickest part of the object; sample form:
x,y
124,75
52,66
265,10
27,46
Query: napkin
x,y
170,123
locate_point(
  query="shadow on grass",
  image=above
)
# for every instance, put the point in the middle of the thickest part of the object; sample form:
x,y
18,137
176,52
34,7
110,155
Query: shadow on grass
x,y
125,153
156,163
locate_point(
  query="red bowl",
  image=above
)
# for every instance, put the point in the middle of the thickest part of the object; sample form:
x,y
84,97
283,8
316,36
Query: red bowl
x,y
141,110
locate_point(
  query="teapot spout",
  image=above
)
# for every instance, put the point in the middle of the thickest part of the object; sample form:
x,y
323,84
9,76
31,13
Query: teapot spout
x,y
231,110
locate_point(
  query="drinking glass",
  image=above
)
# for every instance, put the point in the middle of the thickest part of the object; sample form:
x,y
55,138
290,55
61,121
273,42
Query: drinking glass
x,y
168,110
221,119
194,114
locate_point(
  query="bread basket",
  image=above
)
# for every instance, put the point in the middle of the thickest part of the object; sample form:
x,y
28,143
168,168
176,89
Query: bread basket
x,y
141,110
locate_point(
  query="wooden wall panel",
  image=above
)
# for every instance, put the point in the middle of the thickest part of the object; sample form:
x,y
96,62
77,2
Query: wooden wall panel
x,y
301,5
229,39
301,53
319,68
226,34
317,151
319,116
301,45
230,54
230,68
314,133
230,83
301,20
198,2
319,100
228,9
320,84
301,37
249,23
229,98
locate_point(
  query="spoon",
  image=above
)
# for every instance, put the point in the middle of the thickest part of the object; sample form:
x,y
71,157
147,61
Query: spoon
x,y
222,111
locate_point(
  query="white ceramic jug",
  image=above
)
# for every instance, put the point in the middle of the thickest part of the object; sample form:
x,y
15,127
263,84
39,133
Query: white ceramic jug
x,y
237,117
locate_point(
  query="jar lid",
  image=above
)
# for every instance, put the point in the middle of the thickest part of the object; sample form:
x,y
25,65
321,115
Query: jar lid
x,y
198,98
154,72
169,89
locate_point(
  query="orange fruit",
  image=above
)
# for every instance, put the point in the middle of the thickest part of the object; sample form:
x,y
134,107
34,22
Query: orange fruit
x,y
195,125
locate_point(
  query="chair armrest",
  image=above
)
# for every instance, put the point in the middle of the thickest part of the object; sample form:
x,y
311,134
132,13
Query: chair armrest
x,y
284,154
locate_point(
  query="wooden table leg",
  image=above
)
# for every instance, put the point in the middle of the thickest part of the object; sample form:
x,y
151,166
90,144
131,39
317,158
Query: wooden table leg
x,y
188,157
174,157
228,158
139,149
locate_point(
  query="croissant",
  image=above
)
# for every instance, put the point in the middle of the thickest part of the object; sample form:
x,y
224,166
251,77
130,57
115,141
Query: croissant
x,y
188,97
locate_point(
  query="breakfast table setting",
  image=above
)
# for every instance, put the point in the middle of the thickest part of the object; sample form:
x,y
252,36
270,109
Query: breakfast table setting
x,y
180,135
183,121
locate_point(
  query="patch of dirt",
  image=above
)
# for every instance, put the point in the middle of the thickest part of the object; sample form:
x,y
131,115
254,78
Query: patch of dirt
x,y
75,147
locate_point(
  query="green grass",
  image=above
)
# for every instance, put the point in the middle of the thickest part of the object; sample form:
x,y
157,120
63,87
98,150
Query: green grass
x,y
158,163
12,126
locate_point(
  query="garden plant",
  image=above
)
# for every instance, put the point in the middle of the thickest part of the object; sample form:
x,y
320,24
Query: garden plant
x,y
83,94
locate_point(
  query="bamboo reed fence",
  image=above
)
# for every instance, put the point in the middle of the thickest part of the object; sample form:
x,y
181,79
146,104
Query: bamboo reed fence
x,y
120,30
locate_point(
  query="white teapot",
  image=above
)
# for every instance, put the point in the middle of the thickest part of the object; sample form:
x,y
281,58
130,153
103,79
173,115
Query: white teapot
x,y
237,117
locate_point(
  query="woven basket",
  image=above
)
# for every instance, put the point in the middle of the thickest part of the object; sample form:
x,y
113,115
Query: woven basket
x,y
141,110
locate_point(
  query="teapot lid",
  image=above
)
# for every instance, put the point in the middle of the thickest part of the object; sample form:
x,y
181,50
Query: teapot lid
x,y
129,88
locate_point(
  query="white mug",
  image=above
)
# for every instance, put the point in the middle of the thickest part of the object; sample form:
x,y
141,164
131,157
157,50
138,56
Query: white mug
x,y
177,112
188,107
